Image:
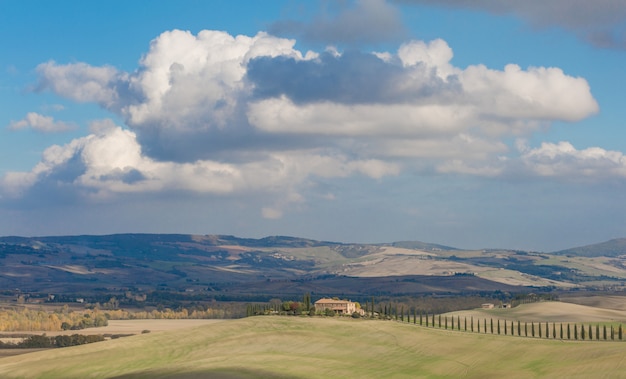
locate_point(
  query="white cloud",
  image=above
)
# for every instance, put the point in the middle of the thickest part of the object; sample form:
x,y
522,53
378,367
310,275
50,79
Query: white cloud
x,y
82,82
229,115
41,123
110,161
563,160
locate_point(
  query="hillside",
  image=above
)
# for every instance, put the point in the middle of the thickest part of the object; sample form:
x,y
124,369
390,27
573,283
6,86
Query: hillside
x,y
613,248
229,267
290,347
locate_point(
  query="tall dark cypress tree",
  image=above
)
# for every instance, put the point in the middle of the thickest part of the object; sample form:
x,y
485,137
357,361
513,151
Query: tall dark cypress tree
x,y
485,324
519,328
597,331
569,335
532,328
620,332
575,332
472,324
561,331
498,326
491,325
590,334
604,332
612,333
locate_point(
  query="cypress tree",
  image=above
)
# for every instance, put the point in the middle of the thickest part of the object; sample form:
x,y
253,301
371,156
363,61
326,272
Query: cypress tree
x,y
532,328
561,331
485,323
525,329
452,320
472,323
498,326
575,332
590,332
539,328
505,332
547,330
604,332
491,325
396,311
445,318
519,328
478,325
612,333
553,330
433,320
569,335
458,322
420,317
439,321
415,316
597,331
465,323
621,334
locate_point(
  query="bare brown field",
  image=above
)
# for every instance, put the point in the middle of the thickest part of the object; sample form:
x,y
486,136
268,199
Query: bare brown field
x,y
608,302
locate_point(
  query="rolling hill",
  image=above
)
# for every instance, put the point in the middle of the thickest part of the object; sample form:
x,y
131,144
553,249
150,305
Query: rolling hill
x,y
296,347
229,267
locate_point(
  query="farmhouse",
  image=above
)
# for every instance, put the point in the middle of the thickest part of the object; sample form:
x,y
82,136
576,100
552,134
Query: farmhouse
x,y
339,306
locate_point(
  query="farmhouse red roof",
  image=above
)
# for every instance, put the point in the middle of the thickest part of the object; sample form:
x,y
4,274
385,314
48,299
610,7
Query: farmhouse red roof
x,y
331,301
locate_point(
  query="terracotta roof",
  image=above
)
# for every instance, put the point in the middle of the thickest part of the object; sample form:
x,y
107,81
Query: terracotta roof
x,y
329,301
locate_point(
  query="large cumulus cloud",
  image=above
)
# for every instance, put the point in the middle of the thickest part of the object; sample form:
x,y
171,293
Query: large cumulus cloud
x,y
220,114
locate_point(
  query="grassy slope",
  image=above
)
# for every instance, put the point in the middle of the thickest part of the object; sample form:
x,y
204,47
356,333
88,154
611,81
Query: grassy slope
x,y
316,347
547,311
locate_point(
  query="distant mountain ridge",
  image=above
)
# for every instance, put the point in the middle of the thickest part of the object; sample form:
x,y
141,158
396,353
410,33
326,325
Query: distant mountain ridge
x,y
612,248
226,265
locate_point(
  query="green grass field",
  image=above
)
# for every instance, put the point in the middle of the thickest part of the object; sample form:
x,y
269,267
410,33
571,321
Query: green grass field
x,y
294,347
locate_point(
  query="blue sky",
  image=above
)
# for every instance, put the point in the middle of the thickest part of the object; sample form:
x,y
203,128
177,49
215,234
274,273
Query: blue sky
x,y
474,124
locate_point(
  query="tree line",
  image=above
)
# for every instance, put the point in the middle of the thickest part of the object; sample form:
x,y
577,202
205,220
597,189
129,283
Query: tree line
x,y
563,331
398,312
45,342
